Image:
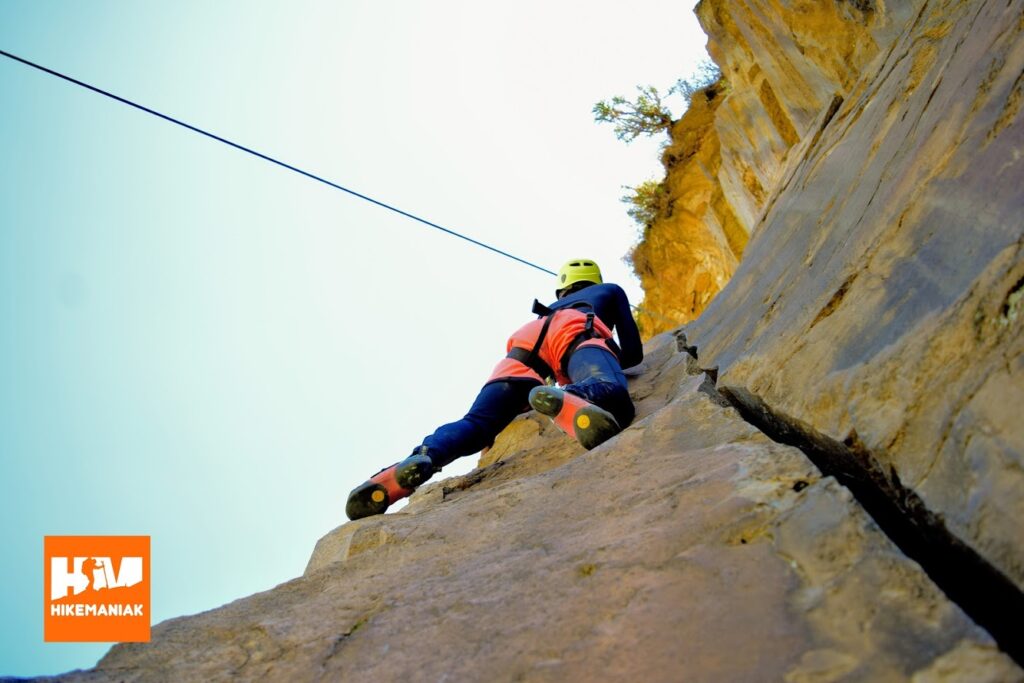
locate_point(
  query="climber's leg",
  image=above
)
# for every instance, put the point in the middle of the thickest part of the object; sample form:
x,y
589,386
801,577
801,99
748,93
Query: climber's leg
x,y
393,483
597,376
589,424
495,406
596,405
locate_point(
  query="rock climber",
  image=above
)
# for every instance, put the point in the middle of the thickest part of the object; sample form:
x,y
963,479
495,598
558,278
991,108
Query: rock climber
x,y
570,343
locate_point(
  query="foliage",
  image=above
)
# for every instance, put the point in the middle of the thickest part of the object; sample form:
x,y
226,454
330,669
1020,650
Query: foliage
x,y
645,201
648,114
644,116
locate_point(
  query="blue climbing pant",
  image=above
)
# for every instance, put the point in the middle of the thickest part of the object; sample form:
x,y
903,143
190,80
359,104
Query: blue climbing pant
x,y
595,374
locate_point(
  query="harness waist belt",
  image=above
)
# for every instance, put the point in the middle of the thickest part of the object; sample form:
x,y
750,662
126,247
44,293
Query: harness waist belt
x,y
532,361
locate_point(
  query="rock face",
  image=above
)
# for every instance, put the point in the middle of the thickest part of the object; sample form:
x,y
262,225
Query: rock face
x,y
691,250
878,302
786,61
784,64
875,154
689,548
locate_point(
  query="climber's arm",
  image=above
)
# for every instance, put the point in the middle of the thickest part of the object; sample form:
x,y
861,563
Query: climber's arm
x,y
629,335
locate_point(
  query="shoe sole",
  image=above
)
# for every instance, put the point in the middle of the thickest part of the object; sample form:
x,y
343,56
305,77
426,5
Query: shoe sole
x,y
367,500
547,400
411,475
593,426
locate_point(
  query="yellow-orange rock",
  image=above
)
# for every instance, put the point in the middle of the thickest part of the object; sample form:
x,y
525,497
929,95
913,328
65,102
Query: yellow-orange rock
x,y
784,63
695,243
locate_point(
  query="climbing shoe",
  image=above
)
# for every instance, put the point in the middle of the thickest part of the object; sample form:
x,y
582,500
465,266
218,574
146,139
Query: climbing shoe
x,y
577,417
414,470
391,484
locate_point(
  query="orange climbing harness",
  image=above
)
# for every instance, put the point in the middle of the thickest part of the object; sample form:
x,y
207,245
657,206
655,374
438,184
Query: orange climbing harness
x,y
541,348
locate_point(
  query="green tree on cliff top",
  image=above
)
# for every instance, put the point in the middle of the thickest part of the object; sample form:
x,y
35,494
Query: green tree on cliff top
x,y
648,113
645,115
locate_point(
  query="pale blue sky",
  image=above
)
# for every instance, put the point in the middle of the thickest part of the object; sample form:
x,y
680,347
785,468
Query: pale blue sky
x,y
207,349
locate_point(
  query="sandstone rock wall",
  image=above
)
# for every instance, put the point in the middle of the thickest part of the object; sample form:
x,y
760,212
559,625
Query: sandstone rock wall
x,y
878,303
786,61
689,548
783,63
696,241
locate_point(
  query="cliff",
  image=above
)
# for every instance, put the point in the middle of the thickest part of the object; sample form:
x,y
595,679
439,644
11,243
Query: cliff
x,y
873,153
690,548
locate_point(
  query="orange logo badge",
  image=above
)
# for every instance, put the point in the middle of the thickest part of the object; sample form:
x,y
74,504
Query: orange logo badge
x,y
96,588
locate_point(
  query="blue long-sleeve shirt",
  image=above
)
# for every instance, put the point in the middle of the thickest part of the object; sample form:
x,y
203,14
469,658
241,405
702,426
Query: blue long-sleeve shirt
x,y
610,303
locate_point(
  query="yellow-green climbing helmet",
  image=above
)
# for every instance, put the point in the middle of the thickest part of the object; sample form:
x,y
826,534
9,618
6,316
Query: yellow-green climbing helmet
x,y
578,270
